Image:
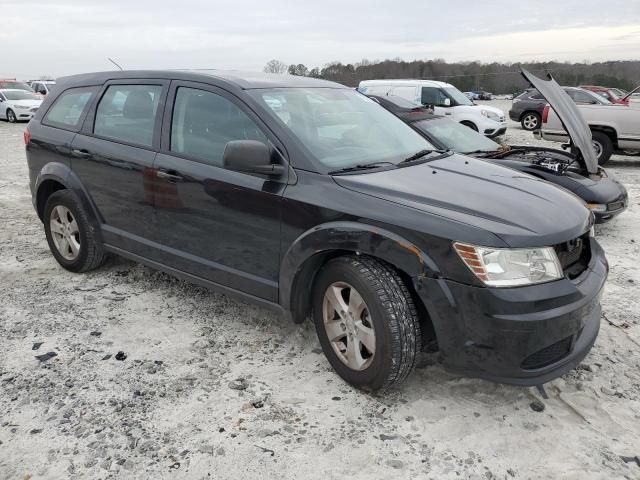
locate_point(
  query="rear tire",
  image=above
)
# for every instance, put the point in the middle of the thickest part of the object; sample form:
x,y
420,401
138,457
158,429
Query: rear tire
x,y
531,121
11,116
471,125
603,146
386,312
72,239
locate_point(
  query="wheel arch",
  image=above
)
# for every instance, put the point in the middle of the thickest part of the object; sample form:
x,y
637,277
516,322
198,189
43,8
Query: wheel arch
x,y
314,248
57,176
610,131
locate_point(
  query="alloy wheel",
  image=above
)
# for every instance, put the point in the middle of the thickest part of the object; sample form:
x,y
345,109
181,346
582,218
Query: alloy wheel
x,y
597,146
348,326
530,122
65,232
11,117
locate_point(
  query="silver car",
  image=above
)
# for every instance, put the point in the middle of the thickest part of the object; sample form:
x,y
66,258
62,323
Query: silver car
x,y
18,105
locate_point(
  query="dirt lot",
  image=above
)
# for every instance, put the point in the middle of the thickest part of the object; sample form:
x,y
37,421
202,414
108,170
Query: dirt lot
x,y
212,388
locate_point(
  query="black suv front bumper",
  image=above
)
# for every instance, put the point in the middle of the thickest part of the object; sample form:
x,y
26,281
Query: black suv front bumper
x,y
523,336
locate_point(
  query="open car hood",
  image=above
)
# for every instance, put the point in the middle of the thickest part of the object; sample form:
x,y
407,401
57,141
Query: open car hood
x,y
571,118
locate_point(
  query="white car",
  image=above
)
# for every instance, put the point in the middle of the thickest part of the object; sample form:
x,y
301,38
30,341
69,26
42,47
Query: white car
x,y
43,87
446,100
613,128
18,105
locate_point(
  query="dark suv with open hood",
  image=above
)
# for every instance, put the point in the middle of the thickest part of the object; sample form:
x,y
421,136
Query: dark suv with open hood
x,y
308,197
604,195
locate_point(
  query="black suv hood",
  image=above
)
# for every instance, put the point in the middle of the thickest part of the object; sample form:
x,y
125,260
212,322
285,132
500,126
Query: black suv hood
x,y
571,118
520,209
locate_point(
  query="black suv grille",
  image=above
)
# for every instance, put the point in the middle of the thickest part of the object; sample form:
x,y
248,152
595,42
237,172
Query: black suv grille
x,y
574,255
548,355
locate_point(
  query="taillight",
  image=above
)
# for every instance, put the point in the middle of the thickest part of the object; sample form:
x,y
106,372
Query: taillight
x,y
27,136
545,114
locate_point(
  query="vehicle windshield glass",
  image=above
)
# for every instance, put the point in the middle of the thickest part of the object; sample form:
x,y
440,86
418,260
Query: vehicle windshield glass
x,y
342,128
16,85
458,96
455,136
618,92
20,95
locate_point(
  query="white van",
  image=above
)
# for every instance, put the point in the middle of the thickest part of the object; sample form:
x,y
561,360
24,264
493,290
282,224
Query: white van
x,y
446,99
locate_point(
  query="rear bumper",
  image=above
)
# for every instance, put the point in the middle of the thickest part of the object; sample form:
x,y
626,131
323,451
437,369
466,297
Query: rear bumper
x,y
521,336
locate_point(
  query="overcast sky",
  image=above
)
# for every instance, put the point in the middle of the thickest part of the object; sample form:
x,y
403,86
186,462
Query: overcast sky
x,y
59,37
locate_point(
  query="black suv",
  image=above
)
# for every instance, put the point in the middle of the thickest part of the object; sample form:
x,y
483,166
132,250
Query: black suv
x,y
527,108
308,197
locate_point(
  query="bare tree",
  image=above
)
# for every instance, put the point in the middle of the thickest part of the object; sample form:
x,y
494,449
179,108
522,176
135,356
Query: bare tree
x,y
275,66
300,70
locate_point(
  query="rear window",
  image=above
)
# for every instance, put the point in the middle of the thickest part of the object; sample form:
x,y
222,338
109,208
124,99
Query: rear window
x,y
68,108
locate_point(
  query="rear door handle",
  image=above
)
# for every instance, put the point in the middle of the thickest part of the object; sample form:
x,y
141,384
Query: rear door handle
x,y
81,153
168,176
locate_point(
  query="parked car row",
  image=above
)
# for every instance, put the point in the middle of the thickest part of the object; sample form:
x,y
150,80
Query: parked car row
x,y
310,198
445,99
19,101
602,192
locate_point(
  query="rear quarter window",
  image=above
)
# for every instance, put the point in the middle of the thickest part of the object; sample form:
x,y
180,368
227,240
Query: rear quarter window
x,y
68,108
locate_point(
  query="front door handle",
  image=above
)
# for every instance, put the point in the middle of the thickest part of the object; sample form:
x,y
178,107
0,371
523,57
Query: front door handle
x,y
81,153
168,176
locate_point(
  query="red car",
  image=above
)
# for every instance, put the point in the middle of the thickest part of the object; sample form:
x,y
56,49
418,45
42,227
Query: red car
x,y
614,95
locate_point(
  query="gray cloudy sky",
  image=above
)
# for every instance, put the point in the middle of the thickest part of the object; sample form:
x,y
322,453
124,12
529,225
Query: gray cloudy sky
x,y
59,37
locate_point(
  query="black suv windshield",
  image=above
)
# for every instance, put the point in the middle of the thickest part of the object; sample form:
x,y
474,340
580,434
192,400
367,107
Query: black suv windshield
x,y
455,136
342,128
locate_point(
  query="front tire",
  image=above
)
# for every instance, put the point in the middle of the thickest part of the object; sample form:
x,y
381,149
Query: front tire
x,y
603,147
11,116
531,121
366,322
70,236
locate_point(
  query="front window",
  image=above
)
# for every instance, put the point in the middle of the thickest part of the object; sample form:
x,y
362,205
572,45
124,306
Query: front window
x,y
437,96
455,136
459,97
341,128
20,95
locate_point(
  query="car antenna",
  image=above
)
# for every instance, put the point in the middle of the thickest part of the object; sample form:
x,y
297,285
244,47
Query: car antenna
x,y
113,61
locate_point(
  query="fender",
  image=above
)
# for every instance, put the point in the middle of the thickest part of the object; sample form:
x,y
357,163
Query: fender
x,y
62,174
346,237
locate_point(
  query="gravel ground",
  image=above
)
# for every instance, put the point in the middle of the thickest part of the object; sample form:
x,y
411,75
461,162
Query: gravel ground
x,y
213,388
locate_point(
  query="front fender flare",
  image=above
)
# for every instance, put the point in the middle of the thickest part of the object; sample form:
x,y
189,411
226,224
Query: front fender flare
x,y
349,237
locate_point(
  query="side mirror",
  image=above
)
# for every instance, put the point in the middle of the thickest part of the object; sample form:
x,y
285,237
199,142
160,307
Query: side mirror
x,y
250,156
447,102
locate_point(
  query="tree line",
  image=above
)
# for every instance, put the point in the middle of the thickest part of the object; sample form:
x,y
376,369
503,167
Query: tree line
x,y
471,76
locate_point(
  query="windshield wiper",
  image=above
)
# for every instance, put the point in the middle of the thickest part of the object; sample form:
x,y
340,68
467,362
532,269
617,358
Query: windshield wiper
x,y
422,153
362,166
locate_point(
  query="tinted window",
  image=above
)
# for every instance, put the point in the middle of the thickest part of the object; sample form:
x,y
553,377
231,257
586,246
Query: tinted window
x,y
127,113
583,97
433,96
69,106
203,123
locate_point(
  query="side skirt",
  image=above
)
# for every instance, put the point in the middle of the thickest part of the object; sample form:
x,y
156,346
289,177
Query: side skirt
x,y
233,293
